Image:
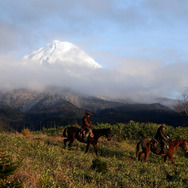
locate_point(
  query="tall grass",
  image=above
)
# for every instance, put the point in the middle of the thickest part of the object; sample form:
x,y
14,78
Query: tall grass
x,y
44,162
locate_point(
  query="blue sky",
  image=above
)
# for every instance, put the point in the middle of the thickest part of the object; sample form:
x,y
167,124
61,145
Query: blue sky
x,y
141,39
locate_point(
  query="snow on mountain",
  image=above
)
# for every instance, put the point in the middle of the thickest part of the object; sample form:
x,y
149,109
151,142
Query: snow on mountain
x,y
28,100
63,53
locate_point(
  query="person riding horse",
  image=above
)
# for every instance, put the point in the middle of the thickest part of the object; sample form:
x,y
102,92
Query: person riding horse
x,y
161,137
86,126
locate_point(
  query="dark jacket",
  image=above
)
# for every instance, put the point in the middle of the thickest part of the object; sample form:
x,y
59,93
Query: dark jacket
x,y
160,134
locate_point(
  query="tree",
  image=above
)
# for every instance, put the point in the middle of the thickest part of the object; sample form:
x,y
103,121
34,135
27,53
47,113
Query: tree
x,y
182,104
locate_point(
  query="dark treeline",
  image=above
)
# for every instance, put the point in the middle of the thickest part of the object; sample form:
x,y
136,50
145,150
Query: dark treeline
x,y
11,119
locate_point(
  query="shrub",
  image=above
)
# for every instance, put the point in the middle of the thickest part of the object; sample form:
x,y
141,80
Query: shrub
x,y
136,131
7,168
99,165
26,132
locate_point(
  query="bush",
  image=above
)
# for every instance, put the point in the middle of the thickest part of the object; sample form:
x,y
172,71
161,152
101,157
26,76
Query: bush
x,y
99,165
54,131
7,168
136,131
26,132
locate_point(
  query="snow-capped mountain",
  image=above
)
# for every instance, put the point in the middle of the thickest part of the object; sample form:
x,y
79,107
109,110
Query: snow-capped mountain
x,y
62,53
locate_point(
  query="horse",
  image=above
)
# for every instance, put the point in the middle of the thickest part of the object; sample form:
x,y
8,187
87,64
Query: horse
x,y
72,133
147,146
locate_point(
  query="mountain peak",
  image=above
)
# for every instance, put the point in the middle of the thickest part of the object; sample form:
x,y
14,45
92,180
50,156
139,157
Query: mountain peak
x,y
63,53
63,45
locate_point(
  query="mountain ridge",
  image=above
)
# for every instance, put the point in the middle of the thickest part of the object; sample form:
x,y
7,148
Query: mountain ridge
x,y
24,99
58,107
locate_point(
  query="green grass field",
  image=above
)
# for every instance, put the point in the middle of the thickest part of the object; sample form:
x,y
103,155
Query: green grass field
x,y
42,161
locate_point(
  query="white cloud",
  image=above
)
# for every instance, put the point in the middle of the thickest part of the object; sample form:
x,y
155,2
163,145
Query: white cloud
x,y
131,78
148,36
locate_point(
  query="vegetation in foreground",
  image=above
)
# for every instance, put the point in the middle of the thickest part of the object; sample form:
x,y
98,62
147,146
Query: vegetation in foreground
x,y
42,161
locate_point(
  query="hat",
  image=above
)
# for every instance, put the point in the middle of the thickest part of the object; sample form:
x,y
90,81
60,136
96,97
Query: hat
x,y
89,113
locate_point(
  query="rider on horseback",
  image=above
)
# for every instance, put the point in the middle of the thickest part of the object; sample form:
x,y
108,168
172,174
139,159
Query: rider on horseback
x,y
161,137
86,126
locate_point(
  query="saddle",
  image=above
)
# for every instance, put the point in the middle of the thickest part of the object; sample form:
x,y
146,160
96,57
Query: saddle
x,y
155,142
84,135
81,134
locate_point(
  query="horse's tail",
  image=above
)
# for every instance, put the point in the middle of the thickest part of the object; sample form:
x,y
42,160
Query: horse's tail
x,y
65,132
138,148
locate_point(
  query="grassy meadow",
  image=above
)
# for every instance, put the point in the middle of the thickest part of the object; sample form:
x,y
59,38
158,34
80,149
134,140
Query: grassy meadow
x,y
42,161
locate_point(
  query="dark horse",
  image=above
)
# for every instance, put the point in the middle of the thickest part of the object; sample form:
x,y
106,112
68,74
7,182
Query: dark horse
x,y
73,132
147,146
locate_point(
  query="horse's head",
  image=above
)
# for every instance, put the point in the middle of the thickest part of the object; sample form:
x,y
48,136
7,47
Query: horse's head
x,y
108,134
184,145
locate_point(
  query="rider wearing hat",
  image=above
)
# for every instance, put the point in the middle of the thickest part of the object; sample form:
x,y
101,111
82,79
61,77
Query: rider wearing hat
x,y
161,137
86,126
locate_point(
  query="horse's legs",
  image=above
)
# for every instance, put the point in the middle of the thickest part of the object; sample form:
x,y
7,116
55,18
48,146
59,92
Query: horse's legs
x,y
87,147
146,152
71,139
165,158
71,142
95,147
146,156
65,141
140,155
172,159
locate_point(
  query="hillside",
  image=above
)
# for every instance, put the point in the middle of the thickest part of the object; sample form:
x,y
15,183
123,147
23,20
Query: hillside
x,y
44,163
28,100
155,113
11,119
61,106
65,113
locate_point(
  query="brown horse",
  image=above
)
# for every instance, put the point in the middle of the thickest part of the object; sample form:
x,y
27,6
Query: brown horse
x,y
72,133
147,146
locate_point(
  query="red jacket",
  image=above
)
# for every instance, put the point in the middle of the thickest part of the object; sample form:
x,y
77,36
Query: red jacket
x,y
86,122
